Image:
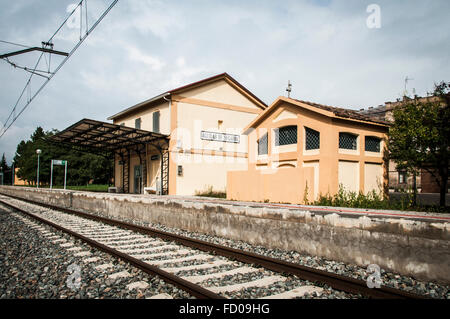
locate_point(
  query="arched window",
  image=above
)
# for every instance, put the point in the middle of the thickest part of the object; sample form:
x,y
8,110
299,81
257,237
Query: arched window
x,y
286,135
312,139
348,141
372,144
263,145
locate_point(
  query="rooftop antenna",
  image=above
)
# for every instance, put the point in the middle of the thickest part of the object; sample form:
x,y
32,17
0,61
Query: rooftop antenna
x,y
289,89
405,93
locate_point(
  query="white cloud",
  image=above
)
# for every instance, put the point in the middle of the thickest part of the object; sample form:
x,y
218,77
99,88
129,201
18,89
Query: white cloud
x,y
137,55
145,47
180,61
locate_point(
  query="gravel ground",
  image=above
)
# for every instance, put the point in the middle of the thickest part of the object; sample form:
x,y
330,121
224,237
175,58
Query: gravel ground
x,y
32,266
389,279
290,283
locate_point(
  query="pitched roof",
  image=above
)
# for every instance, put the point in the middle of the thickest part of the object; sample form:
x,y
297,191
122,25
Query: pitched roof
x,y
346,113
330,111
191,86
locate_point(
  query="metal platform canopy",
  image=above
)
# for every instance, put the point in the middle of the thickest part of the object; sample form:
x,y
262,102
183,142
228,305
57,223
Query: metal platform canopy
x,y
101,137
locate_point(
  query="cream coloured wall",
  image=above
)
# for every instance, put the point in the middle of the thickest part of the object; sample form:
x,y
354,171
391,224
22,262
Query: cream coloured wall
x,y
373,178
192,119
205,163
146,116
210,171
153,169
348,175
285,115
221,92
218,107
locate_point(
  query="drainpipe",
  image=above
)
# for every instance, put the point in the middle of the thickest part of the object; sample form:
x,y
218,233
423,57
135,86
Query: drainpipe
x,y
170,133
170,111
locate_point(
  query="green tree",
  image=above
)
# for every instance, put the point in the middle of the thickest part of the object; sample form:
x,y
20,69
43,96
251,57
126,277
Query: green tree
x,y
5,170
420,136
82,167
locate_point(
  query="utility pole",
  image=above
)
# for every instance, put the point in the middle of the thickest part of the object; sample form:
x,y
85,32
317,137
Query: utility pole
x,y
38,152
289,89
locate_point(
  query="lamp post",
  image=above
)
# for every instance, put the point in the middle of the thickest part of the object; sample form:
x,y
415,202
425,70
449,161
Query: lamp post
x,y
38,152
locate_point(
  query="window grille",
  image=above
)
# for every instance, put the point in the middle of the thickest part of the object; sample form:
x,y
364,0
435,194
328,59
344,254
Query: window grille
x,y
372,144
312,139
347,141
263,145
286,135
156,122
137,124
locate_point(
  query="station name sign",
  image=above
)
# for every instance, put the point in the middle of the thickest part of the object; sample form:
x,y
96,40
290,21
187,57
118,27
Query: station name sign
x,y
219,137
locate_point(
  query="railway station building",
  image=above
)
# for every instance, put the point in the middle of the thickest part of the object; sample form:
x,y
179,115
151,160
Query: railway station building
x,y
299,150
180,142
216,135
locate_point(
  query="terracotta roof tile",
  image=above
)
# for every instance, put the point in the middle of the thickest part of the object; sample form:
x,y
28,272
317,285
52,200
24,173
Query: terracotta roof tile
x,y
338,111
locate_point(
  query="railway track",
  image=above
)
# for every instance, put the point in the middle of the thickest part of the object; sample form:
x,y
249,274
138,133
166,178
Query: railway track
x,y
178,259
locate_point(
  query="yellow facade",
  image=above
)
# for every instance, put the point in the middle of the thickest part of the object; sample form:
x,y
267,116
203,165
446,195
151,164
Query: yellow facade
x,y
291,173
187,115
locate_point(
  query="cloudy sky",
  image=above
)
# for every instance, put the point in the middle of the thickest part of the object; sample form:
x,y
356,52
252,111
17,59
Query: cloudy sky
x,y
145,47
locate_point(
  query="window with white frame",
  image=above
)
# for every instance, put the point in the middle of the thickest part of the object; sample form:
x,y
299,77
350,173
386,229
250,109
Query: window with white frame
x,y
286,135
372,144
348,141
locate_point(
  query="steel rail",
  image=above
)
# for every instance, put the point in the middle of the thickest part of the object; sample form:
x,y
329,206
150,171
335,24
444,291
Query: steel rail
x,y
183,284
338,282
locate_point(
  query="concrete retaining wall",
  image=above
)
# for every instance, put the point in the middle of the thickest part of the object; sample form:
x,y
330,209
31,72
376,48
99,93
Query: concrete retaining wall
x,y
410,247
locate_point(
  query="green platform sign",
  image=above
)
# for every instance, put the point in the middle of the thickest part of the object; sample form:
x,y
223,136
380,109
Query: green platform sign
x,y
58,162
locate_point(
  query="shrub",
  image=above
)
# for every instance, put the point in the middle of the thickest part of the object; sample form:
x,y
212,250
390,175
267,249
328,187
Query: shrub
x,y
209,192
372,200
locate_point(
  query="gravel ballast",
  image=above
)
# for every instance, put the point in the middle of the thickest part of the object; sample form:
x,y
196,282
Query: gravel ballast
x,y
388,279
36,266
430,289
281,285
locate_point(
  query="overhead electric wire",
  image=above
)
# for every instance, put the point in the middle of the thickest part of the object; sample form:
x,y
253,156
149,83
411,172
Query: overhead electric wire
x,y
20,45
34,71
5,128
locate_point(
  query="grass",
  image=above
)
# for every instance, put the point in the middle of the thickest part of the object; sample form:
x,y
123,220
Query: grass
x,y
90,188
85,188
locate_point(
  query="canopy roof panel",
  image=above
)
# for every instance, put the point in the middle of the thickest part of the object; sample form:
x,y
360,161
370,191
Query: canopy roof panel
x,y
103,136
